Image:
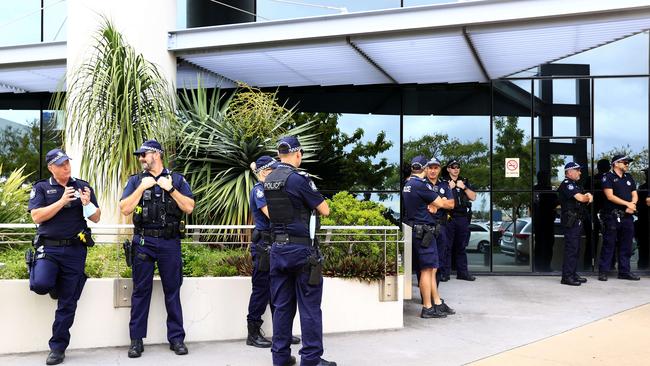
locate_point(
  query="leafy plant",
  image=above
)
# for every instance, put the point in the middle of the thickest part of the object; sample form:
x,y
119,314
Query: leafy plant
x,y
116,99
220,137
14,195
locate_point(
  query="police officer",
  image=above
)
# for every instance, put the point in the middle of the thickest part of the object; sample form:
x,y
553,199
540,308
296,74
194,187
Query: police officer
x,y
293,201
260,247
573,201
420,202
618,224
460,219
60,205
157,198
441,217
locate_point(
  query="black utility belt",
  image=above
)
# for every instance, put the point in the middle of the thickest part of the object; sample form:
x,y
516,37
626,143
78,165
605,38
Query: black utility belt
x,y
158,233
55,243
286,238
263,235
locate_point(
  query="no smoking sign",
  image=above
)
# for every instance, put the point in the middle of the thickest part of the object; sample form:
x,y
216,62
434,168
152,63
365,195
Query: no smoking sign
x,y
512,167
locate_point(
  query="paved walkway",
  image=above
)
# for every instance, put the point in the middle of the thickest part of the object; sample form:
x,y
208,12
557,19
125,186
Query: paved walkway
x,y
500,320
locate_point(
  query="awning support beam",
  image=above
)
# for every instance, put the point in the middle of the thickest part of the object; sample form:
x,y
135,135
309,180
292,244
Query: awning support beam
x,y
477,57
370,61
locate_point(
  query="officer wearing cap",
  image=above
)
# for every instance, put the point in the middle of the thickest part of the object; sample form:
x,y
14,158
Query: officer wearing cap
x,y
618,224
420,202
461,215
157,198
260,247
60,205
573,201
642,224
441,218
293,201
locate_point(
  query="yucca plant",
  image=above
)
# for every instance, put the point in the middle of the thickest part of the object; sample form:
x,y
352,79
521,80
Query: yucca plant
x,y
116,99
220,137
14,195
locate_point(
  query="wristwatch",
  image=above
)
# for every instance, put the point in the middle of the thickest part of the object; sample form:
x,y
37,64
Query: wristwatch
x,y
171,190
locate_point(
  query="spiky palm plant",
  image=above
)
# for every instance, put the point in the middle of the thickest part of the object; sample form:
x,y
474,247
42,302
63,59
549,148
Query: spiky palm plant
x,y
220,137
115,100
14,194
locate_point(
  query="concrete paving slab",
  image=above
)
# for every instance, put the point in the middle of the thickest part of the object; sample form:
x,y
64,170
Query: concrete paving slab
x,y
494,314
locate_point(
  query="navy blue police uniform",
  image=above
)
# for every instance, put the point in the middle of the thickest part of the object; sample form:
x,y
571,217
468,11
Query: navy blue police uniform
x,y
458,229
60,258
618,226
572,219
291,198
417,194
442,219
156,239
260,252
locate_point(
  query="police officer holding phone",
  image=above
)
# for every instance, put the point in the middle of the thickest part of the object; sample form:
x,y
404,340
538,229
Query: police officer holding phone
x,y
60,205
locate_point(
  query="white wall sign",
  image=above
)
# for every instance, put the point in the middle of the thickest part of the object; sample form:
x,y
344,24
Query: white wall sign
x,y
512,167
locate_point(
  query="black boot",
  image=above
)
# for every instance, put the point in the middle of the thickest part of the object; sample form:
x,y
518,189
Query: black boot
x,y
326,363
55,358
136,348
295,340
570,281
255,337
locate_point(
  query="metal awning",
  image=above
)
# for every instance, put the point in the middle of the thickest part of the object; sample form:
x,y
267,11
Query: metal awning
x,y
38,67
472,41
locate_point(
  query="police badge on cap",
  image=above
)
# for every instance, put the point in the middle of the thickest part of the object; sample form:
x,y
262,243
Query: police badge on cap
x,y
149,145
56,157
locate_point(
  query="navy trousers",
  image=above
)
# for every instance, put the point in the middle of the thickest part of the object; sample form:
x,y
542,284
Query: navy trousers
x,y
458,230
167,253
442,241
290,287
261,293
60,269
571,249
617,232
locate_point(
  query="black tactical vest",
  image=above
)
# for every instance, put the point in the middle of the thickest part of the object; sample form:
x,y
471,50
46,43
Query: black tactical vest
x,y
155,209
281,210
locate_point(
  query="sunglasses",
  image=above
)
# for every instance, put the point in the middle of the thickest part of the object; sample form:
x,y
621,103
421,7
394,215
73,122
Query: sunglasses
x,y
143,154
624,162
454,167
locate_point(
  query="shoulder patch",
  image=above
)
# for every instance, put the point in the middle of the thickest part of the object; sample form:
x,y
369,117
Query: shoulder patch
x,y
259,193
629,183
604,178
442,190
570,187
312,185
32,194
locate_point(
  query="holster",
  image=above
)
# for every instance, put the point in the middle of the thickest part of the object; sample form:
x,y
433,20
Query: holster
x,y
571,219
263,253
424,232
315,270
419,231
29,259
84,237
128,252
437,229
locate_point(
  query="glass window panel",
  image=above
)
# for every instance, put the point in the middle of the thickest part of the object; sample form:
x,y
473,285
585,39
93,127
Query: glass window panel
x,y
292,9
22,22
513,254
464,138
569,112
481,236
54,20
19,141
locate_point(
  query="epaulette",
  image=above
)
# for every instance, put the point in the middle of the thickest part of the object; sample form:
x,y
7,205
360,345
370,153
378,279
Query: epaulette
x,y
303,173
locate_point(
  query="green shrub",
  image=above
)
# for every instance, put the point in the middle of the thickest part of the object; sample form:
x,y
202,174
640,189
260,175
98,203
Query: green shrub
x,y
14,260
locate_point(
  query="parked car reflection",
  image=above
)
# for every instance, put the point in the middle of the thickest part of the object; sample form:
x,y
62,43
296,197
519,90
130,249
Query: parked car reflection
x,y
479,237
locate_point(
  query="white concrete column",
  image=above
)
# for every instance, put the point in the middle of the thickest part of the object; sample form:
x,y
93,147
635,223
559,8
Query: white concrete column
x,y
144,25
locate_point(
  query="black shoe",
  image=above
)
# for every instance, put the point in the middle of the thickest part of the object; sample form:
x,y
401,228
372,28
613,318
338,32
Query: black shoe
x,y
465,277
136,348
628,276
570,281
179,348
290,362
446,309
54,295
444,278
55,358
326,363
602,276
256,337
579,278
433,312
295,340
